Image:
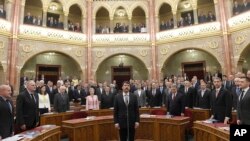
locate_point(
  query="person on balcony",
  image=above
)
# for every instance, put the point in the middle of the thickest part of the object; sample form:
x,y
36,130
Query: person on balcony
x,y
77,28
181,22
211,17
162,26
39,21
202,18
2,12
117,28
60,24
28,19
245,6
236,8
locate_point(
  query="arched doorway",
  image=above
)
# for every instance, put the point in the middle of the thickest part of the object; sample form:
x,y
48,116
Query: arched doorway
x,y
206,11
192,62
75,18
51,65
102,21
121,67
138,20
165,17
244,61
1,74
33,12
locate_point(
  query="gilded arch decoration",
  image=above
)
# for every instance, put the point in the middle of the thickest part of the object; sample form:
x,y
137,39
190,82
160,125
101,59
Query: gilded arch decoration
x,y
161,2
119,4
141,5
79,3
98,6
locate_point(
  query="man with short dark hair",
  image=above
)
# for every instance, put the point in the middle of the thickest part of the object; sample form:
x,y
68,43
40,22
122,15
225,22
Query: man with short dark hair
x,y
221,107
126,113
243,111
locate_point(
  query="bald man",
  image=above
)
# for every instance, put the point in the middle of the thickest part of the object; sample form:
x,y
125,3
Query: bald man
x,y
61,100
27,108
6,112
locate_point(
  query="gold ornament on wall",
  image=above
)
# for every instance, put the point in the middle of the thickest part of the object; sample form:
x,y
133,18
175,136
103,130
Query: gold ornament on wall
x,y
143,52
1,45
99,54
27,48
240,39
164,51
78,52
213,44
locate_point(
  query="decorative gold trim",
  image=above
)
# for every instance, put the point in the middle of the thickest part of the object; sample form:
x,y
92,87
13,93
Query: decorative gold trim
x,y
99,54
143,52
240,39
164,51
78,52
27,48
213,44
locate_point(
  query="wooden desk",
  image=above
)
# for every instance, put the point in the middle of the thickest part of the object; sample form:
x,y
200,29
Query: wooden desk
x,y
41,133
57,118
156,128
210,132
200,114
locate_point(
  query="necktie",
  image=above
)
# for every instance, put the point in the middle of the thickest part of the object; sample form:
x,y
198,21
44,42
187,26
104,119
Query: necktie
x,y
217,92
33,98
9,105
241,95
126,99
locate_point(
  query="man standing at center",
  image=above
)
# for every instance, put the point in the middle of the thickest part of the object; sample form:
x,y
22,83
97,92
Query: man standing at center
x,y
126,113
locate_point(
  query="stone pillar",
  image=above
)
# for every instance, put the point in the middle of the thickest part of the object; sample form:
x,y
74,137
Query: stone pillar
x,y
83,24
130,26
90,31
111,24
175,18
12,49
94,25
157,23
217,10
21,17
153,27
195,15
8,9
45,17
65,23
227,46
147,24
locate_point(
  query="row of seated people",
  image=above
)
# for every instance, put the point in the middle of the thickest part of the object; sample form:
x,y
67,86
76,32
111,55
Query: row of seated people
x,y
239,8
2,12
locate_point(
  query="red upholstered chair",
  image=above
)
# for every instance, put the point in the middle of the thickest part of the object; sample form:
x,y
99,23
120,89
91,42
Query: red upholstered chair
x,y
80,114
158,112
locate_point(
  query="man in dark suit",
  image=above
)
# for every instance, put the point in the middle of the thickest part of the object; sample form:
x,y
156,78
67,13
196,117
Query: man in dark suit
x,y
61,101
203,97
107,99
27,108
221,102
68,90
7,112
126,113
245,6
155,97
236,91
79,95
243,111
176,104
99,91
28,19
141,96
2,12
50,91
189,93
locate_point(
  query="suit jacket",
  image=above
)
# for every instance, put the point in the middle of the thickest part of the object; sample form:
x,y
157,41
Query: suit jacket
x,y
155,100
70,93
107,101
221,106
235,96
243,111
99,93
6,118
141,99
82,95
123,113
61,104
176,106
51,94
28,20
204,101
3,14
189,97
27,111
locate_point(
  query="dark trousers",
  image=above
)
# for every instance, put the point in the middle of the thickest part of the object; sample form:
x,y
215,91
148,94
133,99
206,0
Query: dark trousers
x,y
124,134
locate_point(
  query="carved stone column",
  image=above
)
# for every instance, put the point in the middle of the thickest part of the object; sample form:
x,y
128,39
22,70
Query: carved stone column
x,y
195,15
83,24
8,9
130,24
21,17
45,16
90,31
65,23
217,10
175,18
111,24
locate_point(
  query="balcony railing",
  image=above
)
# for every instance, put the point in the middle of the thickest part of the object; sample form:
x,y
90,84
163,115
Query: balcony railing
x,y
189,32
242,19
50,34
5,26
119,38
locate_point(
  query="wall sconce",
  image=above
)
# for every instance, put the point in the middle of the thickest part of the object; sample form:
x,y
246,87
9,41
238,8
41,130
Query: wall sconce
x,y
53,7
186,5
